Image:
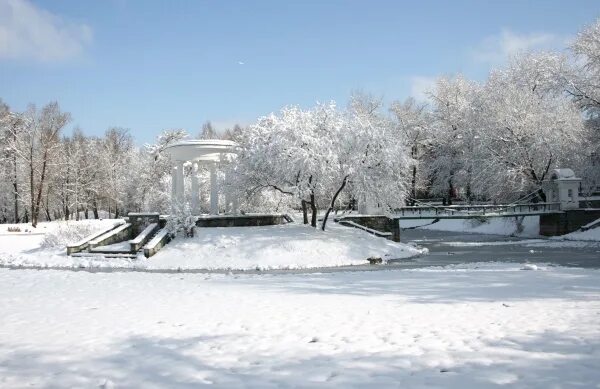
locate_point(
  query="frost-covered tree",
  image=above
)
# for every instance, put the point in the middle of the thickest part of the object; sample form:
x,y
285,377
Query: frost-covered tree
x,y
413,125
453,134
208,132
365,156
155,171
583,81
265,159
583,84
38,145
529,127
319,154
116,155
11,188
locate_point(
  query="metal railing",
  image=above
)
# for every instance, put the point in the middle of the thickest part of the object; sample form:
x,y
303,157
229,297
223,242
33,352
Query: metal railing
x,y
478,210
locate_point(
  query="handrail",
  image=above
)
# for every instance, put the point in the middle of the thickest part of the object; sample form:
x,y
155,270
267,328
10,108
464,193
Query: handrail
x,y
482,209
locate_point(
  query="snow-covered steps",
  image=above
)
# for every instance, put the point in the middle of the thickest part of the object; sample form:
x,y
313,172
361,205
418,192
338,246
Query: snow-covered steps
x,y
83,244
116,248
98,255
117,235
157,242
589,226
143,237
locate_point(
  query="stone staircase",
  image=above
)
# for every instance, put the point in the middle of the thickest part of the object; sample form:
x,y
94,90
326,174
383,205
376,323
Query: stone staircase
x,y
119,241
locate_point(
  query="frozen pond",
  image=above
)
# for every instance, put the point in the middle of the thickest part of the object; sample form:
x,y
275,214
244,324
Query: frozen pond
x,y
457,247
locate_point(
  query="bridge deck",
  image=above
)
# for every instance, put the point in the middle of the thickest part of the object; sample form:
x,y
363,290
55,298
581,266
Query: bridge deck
x,y
472,216
477,211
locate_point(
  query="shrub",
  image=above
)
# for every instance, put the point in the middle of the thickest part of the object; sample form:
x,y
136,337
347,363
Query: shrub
x,y
67,233
182,220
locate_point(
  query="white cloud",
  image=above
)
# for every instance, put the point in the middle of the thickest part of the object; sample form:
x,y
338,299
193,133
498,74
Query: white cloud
x,y
420,87
29,32
496,49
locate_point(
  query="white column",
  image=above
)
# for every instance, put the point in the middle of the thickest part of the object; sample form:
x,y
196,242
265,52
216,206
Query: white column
x,y
214,190
235,206
180,187
195,189
228,205
363,206
173,188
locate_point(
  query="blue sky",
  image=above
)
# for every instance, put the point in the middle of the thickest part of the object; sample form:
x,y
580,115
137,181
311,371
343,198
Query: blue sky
x,y
151,65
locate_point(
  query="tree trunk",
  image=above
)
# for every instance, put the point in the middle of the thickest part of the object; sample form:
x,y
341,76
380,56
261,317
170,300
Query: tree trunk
x,y
15,186
36,209
469,194
541,195
450,190
414,185
95,209
304,212
335,196
313,208
31,187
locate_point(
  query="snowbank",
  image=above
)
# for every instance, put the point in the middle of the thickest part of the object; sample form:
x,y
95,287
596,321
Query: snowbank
x,y
290,246
593,235
494,226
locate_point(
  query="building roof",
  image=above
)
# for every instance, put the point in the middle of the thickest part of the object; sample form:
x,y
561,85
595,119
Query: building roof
x,y
563,175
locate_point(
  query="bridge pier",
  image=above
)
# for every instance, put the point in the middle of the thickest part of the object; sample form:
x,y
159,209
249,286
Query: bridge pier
x,y
378,223
555,224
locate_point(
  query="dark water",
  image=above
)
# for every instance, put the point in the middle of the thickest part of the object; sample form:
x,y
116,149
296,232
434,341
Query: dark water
x,y
452,248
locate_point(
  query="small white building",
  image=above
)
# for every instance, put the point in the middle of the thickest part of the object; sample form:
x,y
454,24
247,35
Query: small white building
x,y
562,187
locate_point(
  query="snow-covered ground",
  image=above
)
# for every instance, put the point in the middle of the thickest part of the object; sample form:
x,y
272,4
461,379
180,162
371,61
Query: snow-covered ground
x,y
290,246
493,226
483,326
593,234
47,236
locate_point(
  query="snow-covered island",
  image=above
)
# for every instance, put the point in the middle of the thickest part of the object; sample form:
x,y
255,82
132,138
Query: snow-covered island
x,y
289,246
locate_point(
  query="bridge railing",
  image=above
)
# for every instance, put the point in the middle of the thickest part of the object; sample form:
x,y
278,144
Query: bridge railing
x,y
475,210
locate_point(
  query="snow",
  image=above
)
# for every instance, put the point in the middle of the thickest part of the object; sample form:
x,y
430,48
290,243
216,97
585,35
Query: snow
x,y
156,239
556,242
120,246
144,234
592,234
478,326
492,225
110,234
289,246
49,235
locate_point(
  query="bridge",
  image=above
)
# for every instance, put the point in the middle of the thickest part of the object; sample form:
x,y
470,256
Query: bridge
x,y
476,211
